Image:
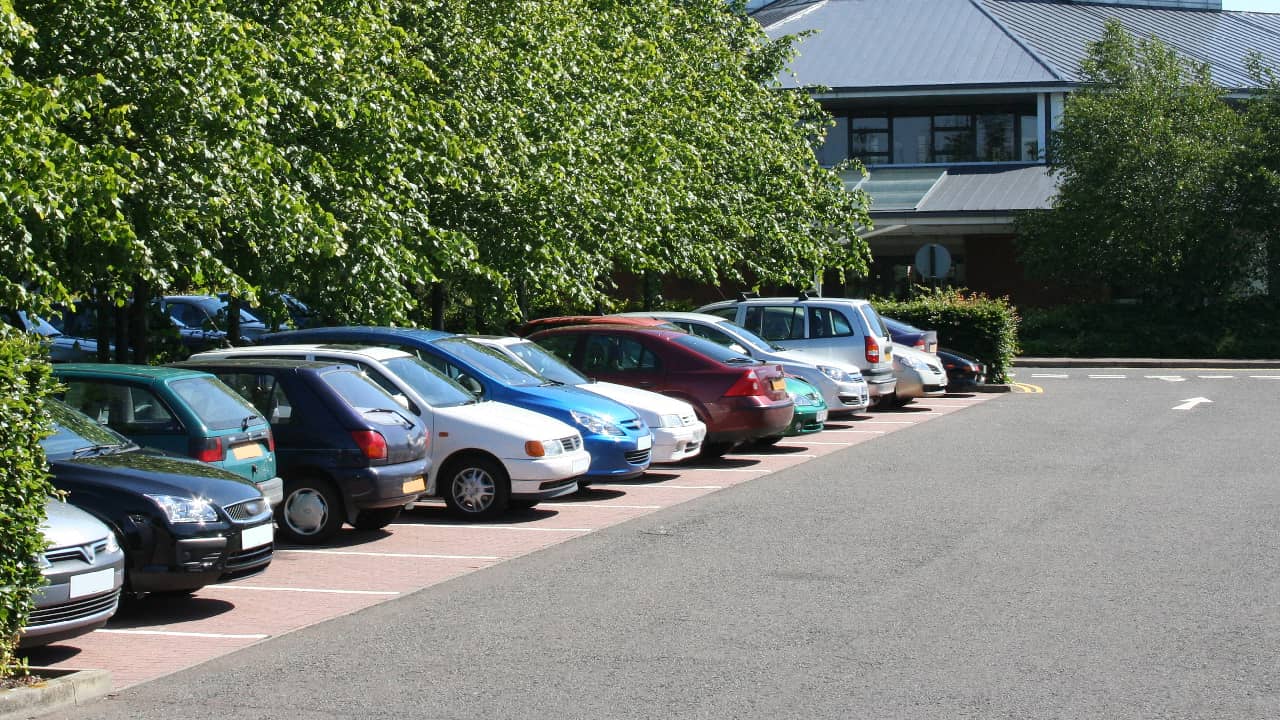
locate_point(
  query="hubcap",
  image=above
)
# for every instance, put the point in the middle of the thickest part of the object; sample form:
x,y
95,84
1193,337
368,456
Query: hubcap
x,y
473,489
305,511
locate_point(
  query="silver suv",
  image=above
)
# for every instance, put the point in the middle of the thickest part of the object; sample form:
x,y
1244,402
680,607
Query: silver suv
x,y
838,328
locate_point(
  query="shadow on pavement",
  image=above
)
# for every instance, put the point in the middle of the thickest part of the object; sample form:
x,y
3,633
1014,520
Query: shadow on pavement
x,y
165,609
50,654
589,494
432,515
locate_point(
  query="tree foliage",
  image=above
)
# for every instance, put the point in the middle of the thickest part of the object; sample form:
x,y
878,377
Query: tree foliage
x,y
1149,185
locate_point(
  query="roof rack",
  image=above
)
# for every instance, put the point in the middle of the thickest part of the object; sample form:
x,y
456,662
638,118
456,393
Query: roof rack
x,y
747,295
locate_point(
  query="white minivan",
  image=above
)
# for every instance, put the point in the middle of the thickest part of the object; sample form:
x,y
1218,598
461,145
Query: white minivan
x,y
486,456
838,328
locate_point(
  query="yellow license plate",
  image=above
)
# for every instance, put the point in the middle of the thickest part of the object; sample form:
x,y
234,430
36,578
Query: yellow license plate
x,y
247,451
415,485
778,384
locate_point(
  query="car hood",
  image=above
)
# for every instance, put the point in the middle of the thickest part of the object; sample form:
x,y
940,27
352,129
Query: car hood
x,y
492,417
648,404
930,360
67,525
156,474
808,358
560,399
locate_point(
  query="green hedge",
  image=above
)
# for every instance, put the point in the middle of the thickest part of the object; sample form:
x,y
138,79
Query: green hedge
x,y
971,323
24,485
1248,328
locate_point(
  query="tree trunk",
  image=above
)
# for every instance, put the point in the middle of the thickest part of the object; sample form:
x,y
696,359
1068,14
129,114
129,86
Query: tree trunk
x,y
103,312
1273,264
138,325
233,321
437,306
120,329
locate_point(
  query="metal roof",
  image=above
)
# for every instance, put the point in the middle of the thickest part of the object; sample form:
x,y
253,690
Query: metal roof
x,y
878,43
991,189
1060,32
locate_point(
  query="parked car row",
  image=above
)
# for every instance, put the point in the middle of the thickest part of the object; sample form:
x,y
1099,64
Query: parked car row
x,y
192,471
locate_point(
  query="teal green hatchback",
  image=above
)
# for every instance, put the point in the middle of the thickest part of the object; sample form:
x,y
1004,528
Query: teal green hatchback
x,y
185,412
811,409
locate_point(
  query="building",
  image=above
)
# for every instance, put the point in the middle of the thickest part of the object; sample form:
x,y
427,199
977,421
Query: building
x,y
949,103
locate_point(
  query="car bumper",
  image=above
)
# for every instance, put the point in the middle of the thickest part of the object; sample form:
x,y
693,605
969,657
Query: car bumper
x,y
675,444
385,486
272,490
617,458
746,419
845,398
807,419
547,478
189,562
73,604
880,385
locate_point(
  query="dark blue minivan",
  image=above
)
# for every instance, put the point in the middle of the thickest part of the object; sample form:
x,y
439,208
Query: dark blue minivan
x,y
620,442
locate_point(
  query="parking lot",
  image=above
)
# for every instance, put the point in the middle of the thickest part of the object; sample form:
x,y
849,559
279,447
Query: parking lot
x,y
305,586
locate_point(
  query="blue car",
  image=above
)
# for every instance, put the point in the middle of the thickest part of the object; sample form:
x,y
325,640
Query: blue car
x,y
620,442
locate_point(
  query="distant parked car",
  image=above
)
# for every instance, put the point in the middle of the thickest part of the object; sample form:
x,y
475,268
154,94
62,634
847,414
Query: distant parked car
x,y
547,323
295,313
62,347
843,389
619,441
677,431
348,452
963,371
740,399
183,524
202,320
181,411
83,571
811,411
919,375
912,336
839,329
484,455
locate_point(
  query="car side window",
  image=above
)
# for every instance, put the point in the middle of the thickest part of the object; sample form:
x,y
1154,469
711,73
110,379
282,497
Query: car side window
x,y
562,346
613,354
264,393
453,372
123,408
776,322
828,322
595,355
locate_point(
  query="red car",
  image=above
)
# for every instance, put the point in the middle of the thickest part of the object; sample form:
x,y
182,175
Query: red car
x,y
740,399
547,323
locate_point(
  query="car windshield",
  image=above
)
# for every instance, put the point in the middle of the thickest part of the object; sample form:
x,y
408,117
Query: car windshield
x,y
547,365
748,338
712,350
432,385
40,326
492,363
217,406
75,433
217,308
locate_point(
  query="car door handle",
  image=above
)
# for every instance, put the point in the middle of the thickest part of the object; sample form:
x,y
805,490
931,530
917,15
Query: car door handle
x,y
644,383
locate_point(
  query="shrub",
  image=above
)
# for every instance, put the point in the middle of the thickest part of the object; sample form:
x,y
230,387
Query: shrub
x,y
25,381
971,323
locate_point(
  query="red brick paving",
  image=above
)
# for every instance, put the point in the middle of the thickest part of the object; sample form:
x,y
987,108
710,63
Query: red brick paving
x,y
303,587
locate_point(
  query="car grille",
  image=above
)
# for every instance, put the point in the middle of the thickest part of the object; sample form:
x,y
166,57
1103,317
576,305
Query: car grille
x,y
571,443
633,424
637,457
86,607
83,553
687,420
249,510
249,558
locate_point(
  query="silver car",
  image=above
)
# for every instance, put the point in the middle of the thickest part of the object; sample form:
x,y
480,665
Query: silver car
x,y
919,374
83,571
841,384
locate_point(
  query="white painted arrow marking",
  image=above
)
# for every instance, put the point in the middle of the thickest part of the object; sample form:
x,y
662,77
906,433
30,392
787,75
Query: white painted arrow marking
x,y
1192,402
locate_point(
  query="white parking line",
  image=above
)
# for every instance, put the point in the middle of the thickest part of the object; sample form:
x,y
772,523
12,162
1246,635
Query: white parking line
x,y
444,526
1048,375
324,591
1107,377
777,455
754,470
886,422
802,443
1216,377
1265,377
872,432
423,556
1167,378
575,505
174,633
661,487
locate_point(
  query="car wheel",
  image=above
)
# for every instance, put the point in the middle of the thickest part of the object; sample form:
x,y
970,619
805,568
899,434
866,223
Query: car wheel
x,y
768,441
310,513
715,450
376,519
476,488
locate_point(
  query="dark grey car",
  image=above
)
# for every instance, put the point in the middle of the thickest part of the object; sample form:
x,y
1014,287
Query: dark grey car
x,y
83,570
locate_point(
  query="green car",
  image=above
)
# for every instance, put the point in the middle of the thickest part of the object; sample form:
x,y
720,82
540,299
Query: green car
x,y
185,412
810,415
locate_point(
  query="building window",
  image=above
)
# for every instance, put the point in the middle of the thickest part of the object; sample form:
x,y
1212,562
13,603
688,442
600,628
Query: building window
x,y
835,148
1029,138
954,137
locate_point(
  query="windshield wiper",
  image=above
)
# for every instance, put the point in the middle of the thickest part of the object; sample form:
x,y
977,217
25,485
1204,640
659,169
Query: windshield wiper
x,y
549,382
740,360
244,422
94,450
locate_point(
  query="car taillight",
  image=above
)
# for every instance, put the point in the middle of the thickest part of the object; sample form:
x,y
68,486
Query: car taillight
x,y
746,385
922,345
873,349
207,450
271,442
371,443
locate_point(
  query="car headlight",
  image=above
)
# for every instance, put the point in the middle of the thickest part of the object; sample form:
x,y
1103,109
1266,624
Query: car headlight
x,y
596,424
113,544
911,362
543,448
185,510
668,421
836,374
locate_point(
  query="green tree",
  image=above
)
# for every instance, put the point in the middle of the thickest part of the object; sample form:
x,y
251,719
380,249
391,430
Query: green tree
x,y
1259,165
1148,188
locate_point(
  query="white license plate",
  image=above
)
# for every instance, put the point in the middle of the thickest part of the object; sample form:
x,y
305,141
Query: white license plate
x,y
256,536
644,443
822,416
248,451
92,583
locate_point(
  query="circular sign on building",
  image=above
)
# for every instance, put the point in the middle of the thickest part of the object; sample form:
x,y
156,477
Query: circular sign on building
x,y
933,262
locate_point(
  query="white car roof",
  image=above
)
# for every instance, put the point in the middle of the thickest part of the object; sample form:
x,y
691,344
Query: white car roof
x,y
364,352
678,315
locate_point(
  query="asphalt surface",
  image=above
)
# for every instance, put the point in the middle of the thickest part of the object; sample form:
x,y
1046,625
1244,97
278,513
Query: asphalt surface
x,y
1088,551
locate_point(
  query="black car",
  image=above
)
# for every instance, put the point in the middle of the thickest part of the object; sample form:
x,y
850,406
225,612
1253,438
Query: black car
x,y
912,336
963,371
345,448
183,524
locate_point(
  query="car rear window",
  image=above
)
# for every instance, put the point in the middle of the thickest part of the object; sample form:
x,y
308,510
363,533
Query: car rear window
x,y
899,327
712,350
359,391
874,321
217,405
